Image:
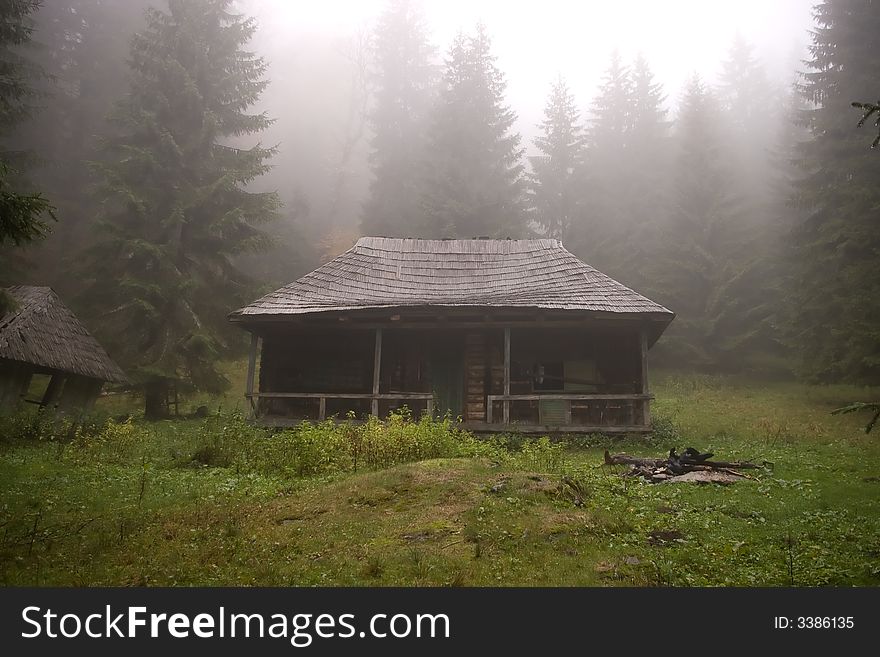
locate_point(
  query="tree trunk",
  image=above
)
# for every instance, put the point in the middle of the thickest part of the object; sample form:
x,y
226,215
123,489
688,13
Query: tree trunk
x,y
155,394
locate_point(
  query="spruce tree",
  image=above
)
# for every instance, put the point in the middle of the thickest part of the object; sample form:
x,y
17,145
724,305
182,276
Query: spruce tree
x,y
648,123
836,321
702,243
554,192
743,90
82,47
746,325
611,123
750,116
18,73
648,172
599,235
475,182
24,213
176,211
404,82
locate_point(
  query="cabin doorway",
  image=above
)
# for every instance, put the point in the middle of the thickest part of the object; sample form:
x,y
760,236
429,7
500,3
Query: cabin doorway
x,y
447,374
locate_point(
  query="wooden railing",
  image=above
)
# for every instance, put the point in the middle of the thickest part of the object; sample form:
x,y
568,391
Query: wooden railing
x,y
606,417
640,402
322,398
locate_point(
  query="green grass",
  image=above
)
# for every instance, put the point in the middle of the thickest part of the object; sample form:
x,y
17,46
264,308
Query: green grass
x,y
211,502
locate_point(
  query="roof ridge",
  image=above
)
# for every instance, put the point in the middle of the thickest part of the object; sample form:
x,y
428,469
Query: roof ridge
x,y
407,271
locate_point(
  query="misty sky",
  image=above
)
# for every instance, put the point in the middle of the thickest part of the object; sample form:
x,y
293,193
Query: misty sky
x,y
536,41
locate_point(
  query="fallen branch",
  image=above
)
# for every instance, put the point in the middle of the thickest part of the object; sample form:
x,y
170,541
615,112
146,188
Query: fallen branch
x,y
626,459
677,465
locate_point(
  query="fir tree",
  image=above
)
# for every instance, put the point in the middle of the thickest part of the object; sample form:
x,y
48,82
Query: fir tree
x,y
17,72
750,118
475,183
702,246
24,213
82,47
648,174
611,124
405,81
744,91
836,320
176,210
554,193
601,232
745,327
648,122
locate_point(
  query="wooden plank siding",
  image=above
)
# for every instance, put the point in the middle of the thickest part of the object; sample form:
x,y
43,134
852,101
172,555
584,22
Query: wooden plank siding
x,y
475,360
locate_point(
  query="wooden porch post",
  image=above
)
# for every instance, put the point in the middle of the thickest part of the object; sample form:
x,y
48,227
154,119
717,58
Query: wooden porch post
x,y
377,362
252,368
53,390
507,374
643,349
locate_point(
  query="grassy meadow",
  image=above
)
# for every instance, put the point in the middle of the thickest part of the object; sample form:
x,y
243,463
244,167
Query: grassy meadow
x,y
214,501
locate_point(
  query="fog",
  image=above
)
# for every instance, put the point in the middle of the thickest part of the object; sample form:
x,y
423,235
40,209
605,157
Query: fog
x,y
311,48
676,146
535,42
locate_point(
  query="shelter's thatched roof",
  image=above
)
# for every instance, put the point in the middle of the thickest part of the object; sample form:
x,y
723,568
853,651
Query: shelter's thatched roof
x,y
42,331
380,272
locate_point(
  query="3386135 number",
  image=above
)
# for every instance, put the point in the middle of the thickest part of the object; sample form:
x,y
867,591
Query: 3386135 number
x,y
824,622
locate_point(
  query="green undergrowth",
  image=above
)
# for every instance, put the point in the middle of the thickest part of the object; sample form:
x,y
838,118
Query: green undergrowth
x,y
217,501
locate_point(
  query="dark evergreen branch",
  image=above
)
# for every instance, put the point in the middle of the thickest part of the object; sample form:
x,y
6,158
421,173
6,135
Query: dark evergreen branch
x,y
22,215
870,109
871,407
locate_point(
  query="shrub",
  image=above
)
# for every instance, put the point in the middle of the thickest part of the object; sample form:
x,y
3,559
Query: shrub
x,y
543,454
38,424
328,447
665,431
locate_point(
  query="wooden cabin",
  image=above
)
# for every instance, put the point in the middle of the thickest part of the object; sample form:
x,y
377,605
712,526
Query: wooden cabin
x,y
40,336
505,334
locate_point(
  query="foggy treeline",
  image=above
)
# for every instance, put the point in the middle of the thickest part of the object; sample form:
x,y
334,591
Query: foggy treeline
x,y
747,204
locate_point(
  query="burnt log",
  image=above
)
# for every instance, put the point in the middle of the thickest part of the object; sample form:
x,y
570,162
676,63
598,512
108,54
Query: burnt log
x,y
626,459
676,465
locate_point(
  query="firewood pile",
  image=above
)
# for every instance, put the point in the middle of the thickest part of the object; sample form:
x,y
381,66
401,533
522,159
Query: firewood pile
x,y
689,466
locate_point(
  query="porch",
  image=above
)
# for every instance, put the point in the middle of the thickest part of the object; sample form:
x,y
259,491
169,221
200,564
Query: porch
x,y
583,376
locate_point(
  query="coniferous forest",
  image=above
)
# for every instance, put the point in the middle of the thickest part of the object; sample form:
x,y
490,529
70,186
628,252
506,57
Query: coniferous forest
x,y
472,412
137,180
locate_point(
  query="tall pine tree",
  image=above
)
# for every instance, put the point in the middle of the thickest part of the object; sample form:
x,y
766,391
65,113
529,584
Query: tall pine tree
x,y
475,182
702,243
18,73
405,83
176,212
553,189
23,212
647,172
599,236
82,46
836,319
746,326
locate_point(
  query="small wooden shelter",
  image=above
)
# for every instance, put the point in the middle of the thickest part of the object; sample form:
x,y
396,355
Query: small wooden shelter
x,y
505,334
42,336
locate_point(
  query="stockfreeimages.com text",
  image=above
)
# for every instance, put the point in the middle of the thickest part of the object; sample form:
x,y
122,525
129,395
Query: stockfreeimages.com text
x,y
300,629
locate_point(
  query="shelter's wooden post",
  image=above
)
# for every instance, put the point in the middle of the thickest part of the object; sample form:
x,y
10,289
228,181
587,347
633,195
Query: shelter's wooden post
x,y
377,361
506,402
322,409
252,368
53,390
643,351
14,383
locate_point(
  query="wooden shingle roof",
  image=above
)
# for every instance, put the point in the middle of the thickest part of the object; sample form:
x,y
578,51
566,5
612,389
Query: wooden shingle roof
x,y
42,331
380,272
